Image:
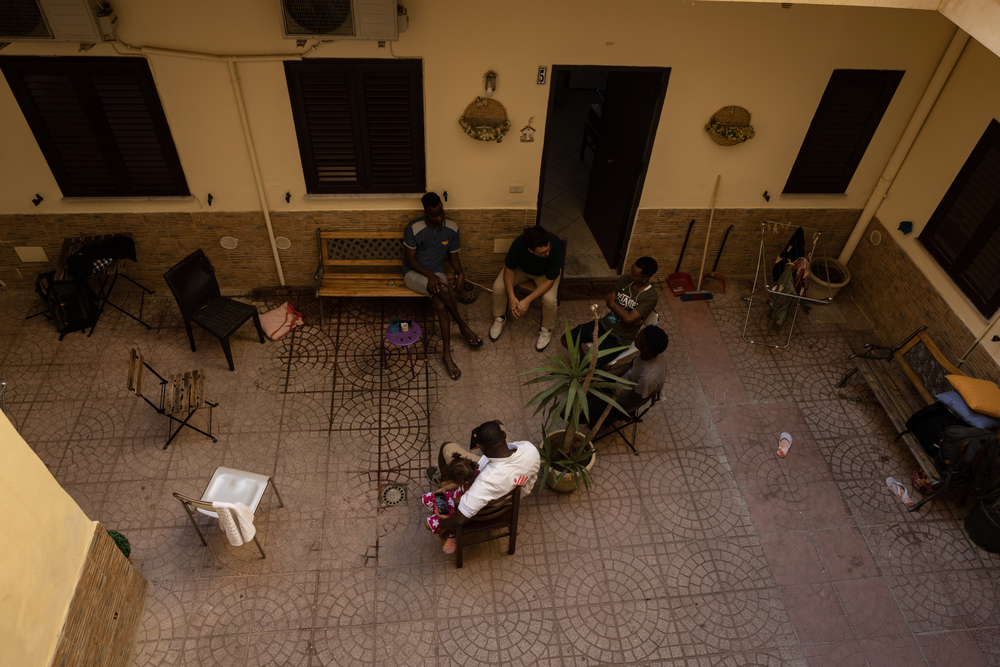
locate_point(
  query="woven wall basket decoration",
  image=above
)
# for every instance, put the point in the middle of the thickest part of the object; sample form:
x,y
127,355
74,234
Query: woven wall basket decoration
x,y
730,126
485,120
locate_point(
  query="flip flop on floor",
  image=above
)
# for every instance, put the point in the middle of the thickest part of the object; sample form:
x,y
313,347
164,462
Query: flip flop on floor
x,y
474,344
454,372
449,546
784,444
899,490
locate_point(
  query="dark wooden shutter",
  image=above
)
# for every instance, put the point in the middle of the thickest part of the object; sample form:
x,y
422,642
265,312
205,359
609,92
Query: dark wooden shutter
x,y
963,234
848,115
99,124
391,115
359,124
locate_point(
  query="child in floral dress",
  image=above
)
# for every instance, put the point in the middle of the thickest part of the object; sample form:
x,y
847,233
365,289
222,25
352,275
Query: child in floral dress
x,y
456,478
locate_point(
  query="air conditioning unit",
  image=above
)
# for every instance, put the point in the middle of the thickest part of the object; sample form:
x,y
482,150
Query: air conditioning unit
x,y
84,21
340,19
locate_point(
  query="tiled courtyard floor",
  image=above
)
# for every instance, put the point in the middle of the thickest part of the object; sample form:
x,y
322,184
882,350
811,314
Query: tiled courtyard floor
x,y
705,550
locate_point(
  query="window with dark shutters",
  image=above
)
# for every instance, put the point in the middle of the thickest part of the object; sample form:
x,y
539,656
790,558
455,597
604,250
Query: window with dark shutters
x,y
963,234
99,124
359,124
848,115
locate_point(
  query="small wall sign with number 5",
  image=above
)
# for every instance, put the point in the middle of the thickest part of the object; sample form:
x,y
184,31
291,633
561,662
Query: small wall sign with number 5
x,y
542,74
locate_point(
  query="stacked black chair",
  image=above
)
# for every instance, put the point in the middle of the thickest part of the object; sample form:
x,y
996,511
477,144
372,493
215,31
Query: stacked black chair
x,y
193,283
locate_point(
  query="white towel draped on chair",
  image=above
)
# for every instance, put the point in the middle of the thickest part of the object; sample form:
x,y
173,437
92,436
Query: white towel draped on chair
x,y
236,521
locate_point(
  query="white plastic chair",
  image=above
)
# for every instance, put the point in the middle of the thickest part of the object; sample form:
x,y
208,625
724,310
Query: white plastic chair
x,y
229,485
651,320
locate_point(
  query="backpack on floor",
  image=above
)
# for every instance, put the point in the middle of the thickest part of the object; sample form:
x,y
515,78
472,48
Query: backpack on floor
x,y
928,424
71,304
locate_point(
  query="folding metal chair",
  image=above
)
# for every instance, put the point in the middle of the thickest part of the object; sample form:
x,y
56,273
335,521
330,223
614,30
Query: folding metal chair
x,y
229,485
181,394
633,420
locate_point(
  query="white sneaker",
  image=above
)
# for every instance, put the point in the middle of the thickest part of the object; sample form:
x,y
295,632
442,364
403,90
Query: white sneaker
x,y
544,338
497,328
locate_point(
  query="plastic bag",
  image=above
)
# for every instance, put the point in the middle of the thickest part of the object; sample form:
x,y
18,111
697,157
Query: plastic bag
x,y
281,321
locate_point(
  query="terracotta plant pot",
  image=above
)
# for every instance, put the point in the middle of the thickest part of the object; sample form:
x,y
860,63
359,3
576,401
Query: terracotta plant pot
x,y
569,482
823,280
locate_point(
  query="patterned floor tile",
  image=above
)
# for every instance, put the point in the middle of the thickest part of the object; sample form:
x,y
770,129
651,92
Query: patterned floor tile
x,y
705,550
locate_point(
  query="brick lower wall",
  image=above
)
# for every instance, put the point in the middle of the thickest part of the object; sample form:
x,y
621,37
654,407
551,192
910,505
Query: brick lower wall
x,y
104,615
659,233
898,299
162,239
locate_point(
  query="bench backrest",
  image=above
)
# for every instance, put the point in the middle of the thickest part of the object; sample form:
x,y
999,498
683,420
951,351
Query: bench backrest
x,y
926,366
360,249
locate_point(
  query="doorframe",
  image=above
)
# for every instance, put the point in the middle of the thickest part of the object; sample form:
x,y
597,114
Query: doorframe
x,y
647,153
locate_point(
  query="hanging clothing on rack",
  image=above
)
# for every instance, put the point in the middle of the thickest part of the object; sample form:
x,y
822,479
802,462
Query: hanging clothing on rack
x,y
795,248
800,275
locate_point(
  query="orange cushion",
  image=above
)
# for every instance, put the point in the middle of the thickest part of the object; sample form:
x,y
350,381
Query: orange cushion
x,y
980,395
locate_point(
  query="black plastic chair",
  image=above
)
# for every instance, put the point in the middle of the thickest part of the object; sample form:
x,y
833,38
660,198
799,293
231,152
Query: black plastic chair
x,y
193,283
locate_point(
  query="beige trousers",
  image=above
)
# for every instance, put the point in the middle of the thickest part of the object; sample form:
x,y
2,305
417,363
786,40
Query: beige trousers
x,y
549,303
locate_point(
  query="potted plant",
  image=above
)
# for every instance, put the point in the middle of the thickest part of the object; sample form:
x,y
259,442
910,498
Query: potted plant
x,y
568,455
121,542
983,522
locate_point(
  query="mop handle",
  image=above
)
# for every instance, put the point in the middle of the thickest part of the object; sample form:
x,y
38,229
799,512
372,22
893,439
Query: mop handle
x,y
704,252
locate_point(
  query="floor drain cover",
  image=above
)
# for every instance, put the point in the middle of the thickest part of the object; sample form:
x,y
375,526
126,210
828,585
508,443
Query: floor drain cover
x,y
392,495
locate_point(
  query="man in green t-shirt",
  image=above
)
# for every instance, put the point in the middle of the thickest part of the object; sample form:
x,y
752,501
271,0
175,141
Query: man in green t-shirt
x,y
630,304
532,256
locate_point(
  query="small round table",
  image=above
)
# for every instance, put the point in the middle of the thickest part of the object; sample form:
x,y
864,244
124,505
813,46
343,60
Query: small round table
x,y
402,339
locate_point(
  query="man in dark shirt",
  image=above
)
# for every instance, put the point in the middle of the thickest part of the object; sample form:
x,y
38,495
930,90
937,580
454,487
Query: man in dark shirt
x,y
531,256
647,370
428,241
630,304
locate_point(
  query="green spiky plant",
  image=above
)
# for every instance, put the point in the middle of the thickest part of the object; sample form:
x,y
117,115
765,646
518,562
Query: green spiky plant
x,y
570,380
121,542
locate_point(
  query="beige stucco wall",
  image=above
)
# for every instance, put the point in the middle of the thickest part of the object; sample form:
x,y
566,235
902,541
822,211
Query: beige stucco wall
x,y
45,541
968,102
774,62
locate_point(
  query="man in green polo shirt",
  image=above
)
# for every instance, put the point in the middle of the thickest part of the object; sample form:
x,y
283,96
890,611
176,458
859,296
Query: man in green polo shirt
x,y
532,256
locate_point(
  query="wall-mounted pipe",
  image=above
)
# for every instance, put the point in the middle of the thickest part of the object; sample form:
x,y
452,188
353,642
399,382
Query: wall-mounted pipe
x,y
256,169
247,136
930,96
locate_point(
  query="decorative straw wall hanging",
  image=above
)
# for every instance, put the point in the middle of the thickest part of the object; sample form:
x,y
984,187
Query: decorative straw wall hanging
x,y
730,126
485,120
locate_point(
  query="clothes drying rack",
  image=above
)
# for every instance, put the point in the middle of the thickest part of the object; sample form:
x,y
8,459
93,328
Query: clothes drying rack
x,y
779,232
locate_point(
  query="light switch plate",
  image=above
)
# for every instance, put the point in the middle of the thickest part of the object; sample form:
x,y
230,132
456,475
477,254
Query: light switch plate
x,y
31,254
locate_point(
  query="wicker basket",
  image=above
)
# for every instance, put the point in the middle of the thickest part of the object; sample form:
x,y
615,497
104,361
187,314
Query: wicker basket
x,y
485,112
485,120
731,115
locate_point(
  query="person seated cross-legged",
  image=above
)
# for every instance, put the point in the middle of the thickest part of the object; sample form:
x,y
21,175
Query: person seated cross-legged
x,y
532,256
648,371
630,304
428,240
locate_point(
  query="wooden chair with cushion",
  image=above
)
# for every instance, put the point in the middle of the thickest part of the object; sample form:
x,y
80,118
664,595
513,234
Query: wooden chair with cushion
x,y
496,520
229,485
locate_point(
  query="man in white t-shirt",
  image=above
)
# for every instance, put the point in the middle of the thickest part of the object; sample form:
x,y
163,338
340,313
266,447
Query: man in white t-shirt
x,y
502,466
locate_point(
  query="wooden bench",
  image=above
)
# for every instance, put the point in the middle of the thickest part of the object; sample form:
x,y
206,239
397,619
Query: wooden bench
x,y
925,366
360,264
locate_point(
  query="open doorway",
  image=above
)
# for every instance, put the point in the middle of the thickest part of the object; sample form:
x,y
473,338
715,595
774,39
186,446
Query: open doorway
x,y
598,139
